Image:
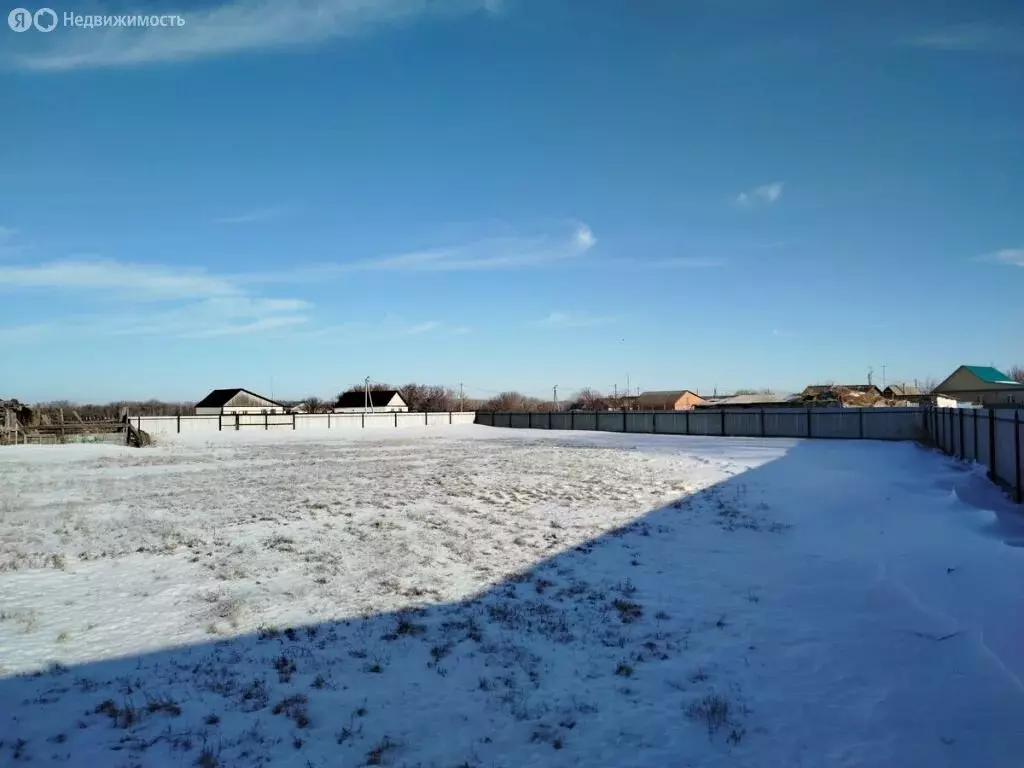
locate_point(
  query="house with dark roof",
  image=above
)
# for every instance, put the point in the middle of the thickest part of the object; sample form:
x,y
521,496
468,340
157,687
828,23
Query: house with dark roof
x,y
236,400
752,400
379,401
981,384
667,400
903,392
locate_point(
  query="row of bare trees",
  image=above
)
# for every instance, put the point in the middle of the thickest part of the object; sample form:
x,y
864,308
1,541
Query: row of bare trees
x,y
420,397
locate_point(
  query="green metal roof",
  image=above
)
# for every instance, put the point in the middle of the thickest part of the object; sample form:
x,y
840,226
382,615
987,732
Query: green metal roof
x,y
989,374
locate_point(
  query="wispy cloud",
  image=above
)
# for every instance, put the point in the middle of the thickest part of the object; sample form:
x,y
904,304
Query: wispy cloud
x,y
233,27
6,233
766,194
1012,256
148,300
138,281
494,253
561,319
973,37
254,215
431,325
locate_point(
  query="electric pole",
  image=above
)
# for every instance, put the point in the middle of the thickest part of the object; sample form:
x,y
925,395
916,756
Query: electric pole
x,y
883,377
367,403
871,373
556,397
461,400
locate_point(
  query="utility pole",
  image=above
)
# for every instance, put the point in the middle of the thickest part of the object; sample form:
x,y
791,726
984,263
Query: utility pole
x,y
556,397
615,391
461,400
883,377
367,402
871,373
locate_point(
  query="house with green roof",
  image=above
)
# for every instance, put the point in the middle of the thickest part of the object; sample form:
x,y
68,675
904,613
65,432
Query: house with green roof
x,y
981,384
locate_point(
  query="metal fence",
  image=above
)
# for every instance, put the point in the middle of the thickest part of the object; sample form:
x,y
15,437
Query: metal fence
x,y
836,423
990,436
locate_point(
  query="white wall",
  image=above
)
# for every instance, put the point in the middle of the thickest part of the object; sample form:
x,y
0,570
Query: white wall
x,y
208,424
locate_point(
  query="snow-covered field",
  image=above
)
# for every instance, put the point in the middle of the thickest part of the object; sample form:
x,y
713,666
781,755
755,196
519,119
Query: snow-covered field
x,y
484,597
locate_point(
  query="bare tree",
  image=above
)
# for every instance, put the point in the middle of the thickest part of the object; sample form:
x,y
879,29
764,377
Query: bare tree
x,y
589,399
1017,373
315,405
928,384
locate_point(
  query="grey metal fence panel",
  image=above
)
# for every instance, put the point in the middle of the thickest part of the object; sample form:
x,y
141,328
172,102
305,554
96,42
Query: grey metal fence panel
x,y
968,447
837,422
786,422
561,421
893,423
705,422
1006,461
519,420
610,421
746,423
639,422
984,427
672,423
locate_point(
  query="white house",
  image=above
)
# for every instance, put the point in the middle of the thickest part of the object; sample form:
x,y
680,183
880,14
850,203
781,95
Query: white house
x,y
381,401
232,401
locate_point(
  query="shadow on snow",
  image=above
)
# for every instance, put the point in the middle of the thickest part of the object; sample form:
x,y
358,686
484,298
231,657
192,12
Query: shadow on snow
x,y
689,634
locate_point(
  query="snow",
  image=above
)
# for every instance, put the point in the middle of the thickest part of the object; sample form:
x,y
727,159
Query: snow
x,y
484,597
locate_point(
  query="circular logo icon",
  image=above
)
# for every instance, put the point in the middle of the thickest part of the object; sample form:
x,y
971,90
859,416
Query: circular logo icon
x,y
20,20
45,19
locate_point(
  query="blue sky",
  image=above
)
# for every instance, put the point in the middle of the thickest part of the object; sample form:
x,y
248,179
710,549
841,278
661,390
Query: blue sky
x,y
510,194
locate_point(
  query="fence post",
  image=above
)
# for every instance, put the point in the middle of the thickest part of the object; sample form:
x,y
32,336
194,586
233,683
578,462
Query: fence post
x,y
992,443
426,418
529,419
396,419
294,417
238,421
808,422
266,421
975,412
860,414
723,423
654,422
963,448
449,417
179,423
220,422
1016,454
328,419
762,423
625,424
572,419
362,420
687,421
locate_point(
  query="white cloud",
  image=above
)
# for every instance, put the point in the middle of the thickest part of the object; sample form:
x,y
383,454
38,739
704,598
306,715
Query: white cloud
x,y
487,254
766,194
233,27
6,233
253,216
138,281
146,300
561,319
1013,256
419,328
973,37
